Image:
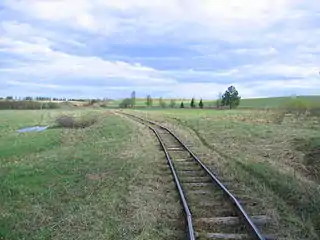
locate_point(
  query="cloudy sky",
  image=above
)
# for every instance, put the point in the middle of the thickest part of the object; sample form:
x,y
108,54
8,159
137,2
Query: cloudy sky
x,y
169,48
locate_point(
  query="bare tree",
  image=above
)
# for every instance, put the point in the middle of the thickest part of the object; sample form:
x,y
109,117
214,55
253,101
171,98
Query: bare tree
x,y
149,101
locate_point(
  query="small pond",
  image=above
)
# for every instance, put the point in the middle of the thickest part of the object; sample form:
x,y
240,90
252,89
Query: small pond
x,y
33,129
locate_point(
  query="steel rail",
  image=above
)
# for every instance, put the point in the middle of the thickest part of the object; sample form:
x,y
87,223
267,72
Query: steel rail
x,y
191,234
254,231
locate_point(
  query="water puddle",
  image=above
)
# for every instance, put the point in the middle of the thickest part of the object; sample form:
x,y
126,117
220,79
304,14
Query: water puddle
x,y
33,129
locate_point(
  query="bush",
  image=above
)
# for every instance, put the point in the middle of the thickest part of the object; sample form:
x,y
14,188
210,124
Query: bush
x,y
314,112
163,104
277,116
126,103
298,108
311,148
295,106
301,107
314,109
66,121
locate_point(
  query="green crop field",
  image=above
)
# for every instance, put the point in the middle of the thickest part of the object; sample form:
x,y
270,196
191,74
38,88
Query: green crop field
x,y
275,102
276,163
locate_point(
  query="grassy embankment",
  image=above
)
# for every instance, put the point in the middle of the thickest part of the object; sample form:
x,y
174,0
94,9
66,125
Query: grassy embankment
x,y
94,183
274,162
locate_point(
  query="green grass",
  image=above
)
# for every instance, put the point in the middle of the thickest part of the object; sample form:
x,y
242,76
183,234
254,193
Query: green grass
x,y
275,102
259,103
105,181
262,156
90,183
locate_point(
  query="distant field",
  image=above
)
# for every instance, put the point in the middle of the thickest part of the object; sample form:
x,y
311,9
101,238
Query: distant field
x,y
245,103
274,102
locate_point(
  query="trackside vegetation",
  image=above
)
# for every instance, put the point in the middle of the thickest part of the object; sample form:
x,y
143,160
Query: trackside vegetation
x,y
274,162
96,174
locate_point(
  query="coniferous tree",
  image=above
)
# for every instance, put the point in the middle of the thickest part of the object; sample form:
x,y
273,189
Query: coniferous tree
x,y
201,104
192,104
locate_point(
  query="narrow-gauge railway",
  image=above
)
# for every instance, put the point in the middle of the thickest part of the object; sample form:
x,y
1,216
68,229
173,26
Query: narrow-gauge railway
x,y
211,210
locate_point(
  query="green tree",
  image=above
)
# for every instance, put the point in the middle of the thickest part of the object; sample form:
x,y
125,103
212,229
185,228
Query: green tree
x,y
162,103
231,98
149,101
28,98
126,103
192,104
172,103
201,103
133,99
181,105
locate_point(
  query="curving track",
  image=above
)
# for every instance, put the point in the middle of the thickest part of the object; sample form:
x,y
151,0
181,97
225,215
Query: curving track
x,y
211,211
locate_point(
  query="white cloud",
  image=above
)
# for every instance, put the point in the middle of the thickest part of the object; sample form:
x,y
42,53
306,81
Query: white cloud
x,y
277,69
268,30
215,17
48,63
311,84
204,90
257,51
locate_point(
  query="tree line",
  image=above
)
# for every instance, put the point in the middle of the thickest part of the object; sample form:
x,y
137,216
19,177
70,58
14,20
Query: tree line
x,y
230,99
54,99
24,105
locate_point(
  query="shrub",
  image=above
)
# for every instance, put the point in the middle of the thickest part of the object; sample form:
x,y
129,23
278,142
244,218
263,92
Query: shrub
x,y
172,103
163,104
66,121
300,108
276,116
126,103
314,109
314,112
295,106
311,148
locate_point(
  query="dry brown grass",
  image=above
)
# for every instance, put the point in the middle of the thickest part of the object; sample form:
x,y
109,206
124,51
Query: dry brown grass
x,y
252,150
68,121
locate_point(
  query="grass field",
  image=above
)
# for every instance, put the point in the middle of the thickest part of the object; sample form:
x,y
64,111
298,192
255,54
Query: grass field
x,y
110,180
278,164
245,103
90,183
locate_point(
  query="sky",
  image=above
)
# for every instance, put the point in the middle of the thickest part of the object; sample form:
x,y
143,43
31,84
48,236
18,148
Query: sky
x,y
166,48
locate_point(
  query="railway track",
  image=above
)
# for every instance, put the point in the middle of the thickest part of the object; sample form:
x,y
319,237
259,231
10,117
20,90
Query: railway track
x,y
211,210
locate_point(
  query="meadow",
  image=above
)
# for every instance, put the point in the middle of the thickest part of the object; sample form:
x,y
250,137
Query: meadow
x,y
277,163
87,183
109,179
